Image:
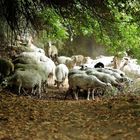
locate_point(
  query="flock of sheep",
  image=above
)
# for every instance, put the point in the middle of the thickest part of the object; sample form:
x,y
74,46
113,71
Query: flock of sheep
x,y
32,72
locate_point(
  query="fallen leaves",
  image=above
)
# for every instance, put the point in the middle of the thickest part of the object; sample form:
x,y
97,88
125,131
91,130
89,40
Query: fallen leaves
x,y
116,132
27,118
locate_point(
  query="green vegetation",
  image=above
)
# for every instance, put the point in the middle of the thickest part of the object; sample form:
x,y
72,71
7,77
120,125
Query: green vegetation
x,y
113,23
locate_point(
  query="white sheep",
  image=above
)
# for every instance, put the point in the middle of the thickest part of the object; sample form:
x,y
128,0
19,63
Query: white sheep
x,y
24,60
120,72
49,68
30,67
36,56
117,79
32,47
33,55
104,77
76,71
85,82
61,73
88,60
115,74
44,63
29,79
130,66
77,67
62,59
106,60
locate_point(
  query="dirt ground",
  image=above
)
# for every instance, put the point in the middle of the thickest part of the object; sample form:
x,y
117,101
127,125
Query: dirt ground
x,y
53,118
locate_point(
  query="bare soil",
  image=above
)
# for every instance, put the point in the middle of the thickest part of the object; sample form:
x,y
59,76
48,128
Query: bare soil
x,y
53,118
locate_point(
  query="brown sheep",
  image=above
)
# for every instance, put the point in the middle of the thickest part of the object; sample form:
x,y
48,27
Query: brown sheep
x,y
79,59
6,67
52,51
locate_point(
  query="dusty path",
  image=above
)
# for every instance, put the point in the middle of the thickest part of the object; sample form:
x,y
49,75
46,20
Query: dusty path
x,y
24,118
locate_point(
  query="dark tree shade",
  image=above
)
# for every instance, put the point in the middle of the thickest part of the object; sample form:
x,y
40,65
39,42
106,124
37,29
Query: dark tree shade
x,y
13,10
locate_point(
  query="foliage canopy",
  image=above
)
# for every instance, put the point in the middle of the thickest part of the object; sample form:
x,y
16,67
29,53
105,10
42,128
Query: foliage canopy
x,y
114,23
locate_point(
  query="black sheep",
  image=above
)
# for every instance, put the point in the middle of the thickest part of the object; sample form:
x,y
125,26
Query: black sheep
x,y
99,65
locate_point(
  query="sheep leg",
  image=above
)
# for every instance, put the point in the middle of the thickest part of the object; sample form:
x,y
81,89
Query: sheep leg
x,y
88,94
19,89
39,90
24,91
51,79
32,91
76,95
45,84
44,89
76,92
93,95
